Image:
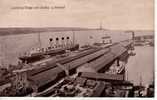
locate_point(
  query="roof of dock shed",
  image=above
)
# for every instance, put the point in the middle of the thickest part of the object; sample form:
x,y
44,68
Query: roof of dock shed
x,y
117,50
51,74
102,61
126,43
45,77
102,76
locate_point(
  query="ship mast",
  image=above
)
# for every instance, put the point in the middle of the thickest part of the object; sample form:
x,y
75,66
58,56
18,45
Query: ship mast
x,y
3,55
73,37
140,80
100,25
39,40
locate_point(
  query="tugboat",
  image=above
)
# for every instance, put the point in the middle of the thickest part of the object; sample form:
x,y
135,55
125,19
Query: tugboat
x,y
40,53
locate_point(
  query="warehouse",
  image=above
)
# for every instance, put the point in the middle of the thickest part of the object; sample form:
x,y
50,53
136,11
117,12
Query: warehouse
x,y
98,59
102,76
44,78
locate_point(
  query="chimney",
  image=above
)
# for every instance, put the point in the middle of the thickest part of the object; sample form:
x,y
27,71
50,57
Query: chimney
x,y
51,43
133,39
133,35
63,44
67,42
57,42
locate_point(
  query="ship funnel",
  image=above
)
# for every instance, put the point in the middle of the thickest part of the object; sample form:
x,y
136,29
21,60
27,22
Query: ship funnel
x,y
133,35
67,42
63,44
73,42
57,42
51,43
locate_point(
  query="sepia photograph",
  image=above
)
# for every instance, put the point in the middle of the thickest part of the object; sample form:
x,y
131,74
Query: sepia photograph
x,y
77,48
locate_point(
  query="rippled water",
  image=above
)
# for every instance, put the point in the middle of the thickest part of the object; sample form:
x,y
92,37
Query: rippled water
x,y
141,66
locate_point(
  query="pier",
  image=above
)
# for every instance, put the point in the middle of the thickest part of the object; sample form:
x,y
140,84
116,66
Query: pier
x,y
90,71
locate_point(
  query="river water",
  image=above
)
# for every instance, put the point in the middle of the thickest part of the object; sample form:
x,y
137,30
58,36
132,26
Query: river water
x,y
140,65
140,68
12,46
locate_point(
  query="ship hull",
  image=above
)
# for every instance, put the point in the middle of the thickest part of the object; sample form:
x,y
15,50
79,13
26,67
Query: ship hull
x,y
41,55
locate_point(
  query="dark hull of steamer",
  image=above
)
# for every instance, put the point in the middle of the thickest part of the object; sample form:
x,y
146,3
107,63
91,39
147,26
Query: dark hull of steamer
x,y
32,58
38,56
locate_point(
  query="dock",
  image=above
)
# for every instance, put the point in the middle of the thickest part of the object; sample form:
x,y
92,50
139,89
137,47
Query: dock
x,y
94,71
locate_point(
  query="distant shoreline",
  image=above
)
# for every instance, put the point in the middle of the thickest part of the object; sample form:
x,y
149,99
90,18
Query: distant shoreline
x,y
29,30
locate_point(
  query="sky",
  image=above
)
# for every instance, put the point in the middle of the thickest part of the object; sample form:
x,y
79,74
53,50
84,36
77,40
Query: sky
x,y
112,14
